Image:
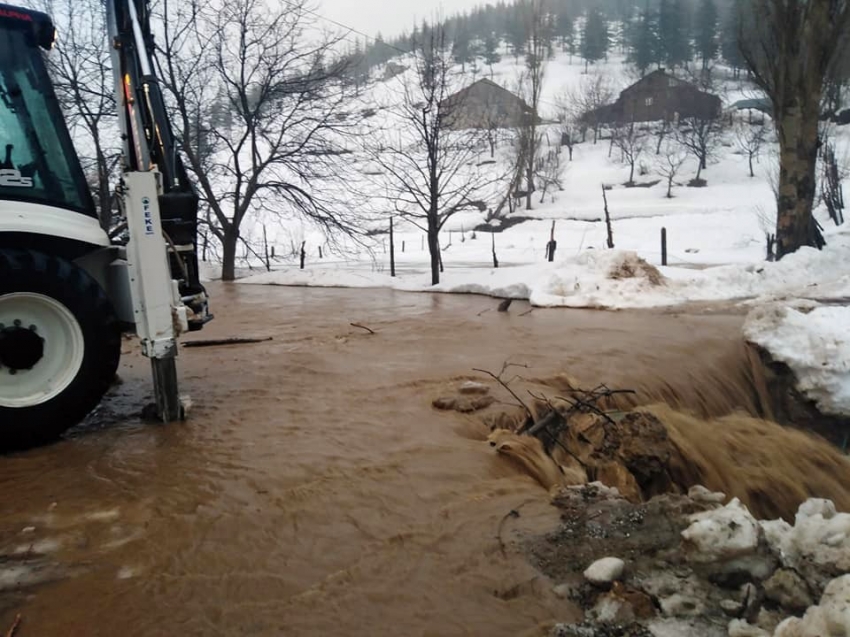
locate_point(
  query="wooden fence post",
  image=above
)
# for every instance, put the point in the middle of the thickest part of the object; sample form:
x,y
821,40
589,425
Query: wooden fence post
x,y
663,246
392,249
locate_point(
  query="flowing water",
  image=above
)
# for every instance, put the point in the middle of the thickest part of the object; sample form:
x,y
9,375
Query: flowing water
x,y
314,490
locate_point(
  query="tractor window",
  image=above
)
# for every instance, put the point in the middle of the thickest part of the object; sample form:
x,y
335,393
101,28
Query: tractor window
x,y
38,162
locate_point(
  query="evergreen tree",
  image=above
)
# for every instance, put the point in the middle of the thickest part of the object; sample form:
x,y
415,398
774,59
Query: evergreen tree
x,y
491,50
706,31
673,33
565,25
517,36
643,41
729,45
461,47
594,41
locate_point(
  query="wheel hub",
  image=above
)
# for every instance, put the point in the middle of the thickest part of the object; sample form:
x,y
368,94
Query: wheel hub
x,y
41,349
20,347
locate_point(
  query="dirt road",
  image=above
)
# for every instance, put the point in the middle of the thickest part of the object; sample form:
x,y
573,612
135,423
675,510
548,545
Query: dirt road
x,y
314,490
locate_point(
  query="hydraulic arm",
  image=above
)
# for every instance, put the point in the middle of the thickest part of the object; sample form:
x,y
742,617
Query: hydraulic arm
x,y
159,202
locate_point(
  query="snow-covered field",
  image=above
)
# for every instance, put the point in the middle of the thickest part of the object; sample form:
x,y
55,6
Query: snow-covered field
x,y
716,244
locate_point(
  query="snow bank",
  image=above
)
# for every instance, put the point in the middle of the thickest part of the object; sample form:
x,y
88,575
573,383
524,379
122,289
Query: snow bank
x,y
616,279
814,341
813,555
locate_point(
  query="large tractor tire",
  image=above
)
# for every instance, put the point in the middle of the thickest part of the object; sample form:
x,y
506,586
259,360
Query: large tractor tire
x,y
60,344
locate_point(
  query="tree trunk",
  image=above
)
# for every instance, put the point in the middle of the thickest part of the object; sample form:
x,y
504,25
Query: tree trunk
x,y
434,248
228,251
752,173
797,184
632,174
670,187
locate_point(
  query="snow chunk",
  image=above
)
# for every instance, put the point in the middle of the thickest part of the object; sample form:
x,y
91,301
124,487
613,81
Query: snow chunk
x,y
722,534
605,571
815,344
817,546
741,628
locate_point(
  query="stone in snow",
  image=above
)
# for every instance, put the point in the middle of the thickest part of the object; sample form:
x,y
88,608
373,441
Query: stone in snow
x,y
605,571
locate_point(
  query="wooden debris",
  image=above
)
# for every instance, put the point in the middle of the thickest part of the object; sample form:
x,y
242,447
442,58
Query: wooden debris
x,y
225,341
362,327
11,632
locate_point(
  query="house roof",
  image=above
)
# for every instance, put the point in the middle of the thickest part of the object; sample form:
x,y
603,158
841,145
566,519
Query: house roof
x,y
485,82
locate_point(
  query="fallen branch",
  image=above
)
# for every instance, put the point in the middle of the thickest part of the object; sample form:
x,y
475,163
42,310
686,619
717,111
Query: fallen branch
x,y
513,513
498,379
362,327
527,312
225,341
14,628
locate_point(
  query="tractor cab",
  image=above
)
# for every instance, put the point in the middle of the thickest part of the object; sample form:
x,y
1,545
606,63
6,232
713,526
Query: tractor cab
x,y
38,162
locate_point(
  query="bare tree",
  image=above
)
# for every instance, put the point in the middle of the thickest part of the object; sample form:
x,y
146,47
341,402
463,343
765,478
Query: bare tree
x,y
669,161
700,136
550,172
81,71
569,119
428,157
494,120
631,142
284,94
833,172
534,18
594,92
749,138
790,47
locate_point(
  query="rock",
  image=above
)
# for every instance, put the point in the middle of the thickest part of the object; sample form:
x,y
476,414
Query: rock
x,y
28,529
789,590
699,493
444,402
731,607
681,606
741,628
769,619
645,450
605,571
831,618
722,534
463,404
472,387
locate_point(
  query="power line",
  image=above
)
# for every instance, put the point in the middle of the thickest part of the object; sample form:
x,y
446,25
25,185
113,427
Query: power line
x,y
351,29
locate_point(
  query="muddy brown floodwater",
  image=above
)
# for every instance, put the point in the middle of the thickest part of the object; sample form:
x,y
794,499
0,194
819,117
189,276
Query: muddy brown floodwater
x,y
314,490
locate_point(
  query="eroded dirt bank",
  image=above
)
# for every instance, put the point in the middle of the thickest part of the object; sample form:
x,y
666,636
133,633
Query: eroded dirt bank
x,y
315,490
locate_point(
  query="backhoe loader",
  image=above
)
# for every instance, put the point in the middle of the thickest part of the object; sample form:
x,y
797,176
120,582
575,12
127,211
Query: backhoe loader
x,y
68,291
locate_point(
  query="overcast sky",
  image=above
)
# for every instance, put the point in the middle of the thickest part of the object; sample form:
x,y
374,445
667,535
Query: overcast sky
x,y
390,17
